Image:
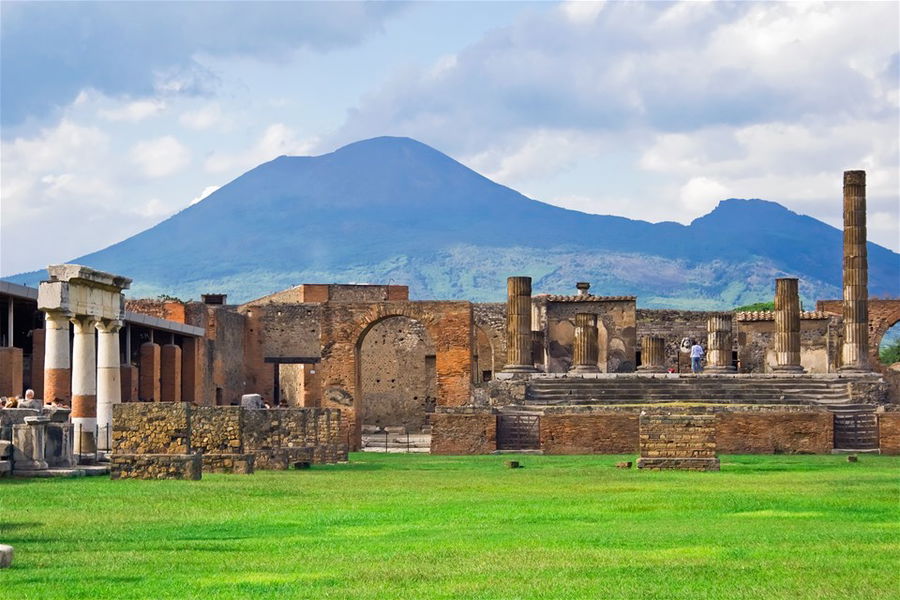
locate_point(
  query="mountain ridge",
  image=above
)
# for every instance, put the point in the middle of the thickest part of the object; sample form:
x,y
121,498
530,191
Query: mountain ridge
x,y
394,209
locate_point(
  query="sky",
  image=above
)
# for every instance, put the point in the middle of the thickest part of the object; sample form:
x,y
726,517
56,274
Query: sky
x,y
114,116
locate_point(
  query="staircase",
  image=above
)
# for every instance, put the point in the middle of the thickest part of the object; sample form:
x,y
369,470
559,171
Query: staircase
x,y
573,391
855,428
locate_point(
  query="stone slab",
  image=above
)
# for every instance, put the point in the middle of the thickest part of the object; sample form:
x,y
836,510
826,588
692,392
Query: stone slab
x,y
6,556
679,464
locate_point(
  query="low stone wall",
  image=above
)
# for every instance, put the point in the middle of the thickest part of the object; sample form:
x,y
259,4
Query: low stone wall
x,y
241,464
775,432
155,466
609,433
151,428
678,441
889,432
463,433
280,436
216,429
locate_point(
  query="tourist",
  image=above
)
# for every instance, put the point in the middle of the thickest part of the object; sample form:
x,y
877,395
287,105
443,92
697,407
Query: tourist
x,y
696,357
30,401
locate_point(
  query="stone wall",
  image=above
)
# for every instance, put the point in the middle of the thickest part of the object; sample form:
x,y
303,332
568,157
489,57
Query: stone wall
x,y
155,466
610,433
463,433
490,319
678,441
756,344
151,428
216,429
674,326
889,432
617,342
775,432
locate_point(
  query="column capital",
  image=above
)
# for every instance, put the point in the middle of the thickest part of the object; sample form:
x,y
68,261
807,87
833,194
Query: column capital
x,y
58,315
109,325
83,323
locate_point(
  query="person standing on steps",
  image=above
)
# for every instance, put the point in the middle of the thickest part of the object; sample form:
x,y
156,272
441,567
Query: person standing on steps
x,y
696,357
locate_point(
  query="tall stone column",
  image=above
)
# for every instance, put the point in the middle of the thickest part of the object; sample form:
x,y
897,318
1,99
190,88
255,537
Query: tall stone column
x,y
719,344
518,326
109,383
855,353
653,354
585,351
787,326
84,385
57,371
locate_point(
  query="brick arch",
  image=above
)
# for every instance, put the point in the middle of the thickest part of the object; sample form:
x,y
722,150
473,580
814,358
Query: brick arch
x,y
883,314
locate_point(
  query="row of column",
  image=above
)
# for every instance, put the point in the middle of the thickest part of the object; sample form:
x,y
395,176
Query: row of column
x,y
718,348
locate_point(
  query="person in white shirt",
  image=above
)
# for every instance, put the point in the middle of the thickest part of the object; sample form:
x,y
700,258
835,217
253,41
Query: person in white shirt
x,y
696,357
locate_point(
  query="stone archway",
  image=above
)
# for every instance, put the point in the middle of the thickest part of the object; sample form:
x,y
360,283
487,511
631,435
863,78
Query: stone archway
x,y
397,379
485,361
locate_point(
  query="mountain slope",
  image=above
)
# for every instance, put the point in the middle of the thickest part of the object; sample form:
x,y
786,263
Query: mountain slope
x,y
393,209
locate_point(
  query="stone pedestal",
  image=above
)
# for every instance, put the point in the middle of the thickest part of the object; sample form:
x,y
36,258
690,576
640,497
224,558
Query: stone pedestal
x,y
59,447
855,351
28,444
719,344
678,441
585,350
787,326
653,354
518,326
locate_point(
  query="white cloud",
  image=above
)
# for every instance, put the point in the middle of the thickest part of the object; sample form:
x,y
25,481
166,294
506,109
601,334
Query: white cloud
x,y
277,139
160,157
701,194
202,118
206,192
134,111
582,11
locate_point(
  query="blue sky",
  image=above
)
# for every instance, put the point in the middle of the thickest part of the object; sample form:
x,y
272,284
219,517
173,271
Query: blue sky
x,y
117,115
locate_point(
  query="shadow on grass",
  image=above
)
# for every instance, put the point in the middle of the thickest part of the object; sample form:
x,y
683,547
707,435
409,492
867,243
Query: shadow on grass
x,y
7,527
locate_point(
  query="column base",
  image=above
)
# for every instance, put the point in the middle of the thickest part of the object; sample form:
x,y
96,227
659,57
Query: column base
x,y
584,369
852,369
789,369
721,370
519,369
651,369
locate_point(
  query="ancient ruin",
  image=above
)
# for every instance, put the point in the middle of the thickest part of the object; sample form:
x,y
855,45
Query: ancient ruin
x,y
580,373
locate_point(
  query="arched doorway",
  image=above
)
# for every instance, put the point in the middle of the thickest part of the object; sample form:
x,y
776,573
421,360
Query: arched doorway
x,y
397,377
889,346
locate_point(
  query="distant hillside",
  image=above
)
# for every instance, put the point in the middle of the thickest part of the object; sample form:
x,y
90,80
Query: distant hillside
x,y
393,210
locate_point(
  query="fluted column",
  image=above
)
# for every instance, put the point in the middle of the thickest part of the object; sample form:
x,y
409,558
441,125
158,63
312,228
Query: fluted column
x,y
855,353
109,378
653,354
585,350
718,357
787,326
57,369
84,385
518,325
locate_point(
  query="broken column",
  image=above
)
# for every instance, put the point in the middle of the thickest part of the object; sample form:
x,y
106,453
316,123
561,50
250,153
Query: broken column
x,y
109,384
653,354
787,326
518,326
57,372
585,350
170,373
84,385
855,353
28,444
719,344
149,372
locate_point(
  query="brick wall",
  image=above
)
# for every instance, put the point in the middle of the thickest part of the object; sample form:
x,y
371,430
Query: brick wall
x,y
677,436
151,428
611,433
889,432
463,433
775,432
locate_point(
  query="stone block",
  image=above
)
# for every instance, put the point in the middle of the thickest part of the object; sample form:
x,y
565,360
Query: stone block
x,y
155,466
59,445
6,556
239,464
252,401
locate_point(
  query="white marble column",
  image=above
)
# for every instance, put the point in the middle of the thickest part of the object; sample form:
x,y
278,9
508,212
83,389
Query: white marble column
x,y
109,386
84,384
57,372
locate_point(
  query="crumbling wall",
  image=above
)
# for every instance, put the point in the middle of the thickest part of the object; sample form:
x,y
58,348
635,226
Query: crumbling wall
x,y
554,318
776,432
609,433
889,432
756,344
675,326
461,432
490,318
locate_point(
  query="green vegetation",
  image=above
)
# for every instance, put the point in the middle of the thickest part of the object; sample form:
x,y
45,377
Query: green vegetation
x,y
889,353
756,306
408,526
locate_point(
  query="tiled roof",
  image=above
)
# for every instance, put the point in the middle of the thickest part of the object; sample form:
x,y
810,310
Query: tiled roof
x,y
769,315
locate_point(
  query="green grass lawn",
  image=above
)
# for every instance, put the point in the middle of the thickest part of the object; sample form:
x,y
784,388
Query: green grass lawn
x,y
414,526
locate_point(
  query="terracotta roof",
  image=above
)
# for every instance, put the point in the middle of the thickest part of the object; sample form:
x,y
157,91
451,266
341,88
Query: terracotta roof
x,y
769,315
587,298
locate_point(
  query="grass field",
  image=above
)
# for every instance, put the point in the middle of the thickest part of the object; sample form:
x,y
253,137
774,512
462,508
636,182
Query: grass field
x,y
413,526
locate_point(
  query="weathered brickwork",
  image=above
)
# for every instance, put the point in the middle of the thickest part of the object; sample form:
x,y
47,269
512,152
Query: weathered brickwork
x,y
151,428
216,429
819,349
883,314
490,319
155,466
460,433
678,441
238,464
674,326
889,432
775,432
278,437
610,433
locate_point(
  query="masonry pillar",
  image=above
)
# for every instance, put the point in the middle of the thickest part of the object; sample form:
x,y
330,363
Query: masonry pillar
x,y
719,344
189,371
84,385
109,384
585,351
855,352
787,326
518,326
10,371
170,373
57,372
148,388
653,354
